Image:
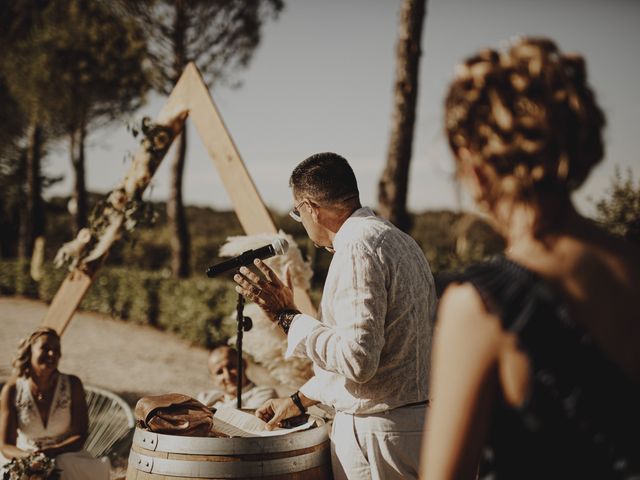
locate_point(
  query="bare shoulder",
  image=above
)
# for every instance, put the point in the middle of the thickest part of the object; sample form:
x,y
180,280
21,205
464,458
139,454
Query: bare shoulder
x,y
606,271
8,390
464,318
9,386
461,303
602,286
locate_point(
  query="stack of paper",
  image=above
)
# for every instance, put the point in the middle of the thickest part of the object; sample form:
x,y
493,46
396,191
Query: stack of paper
x,y
236,423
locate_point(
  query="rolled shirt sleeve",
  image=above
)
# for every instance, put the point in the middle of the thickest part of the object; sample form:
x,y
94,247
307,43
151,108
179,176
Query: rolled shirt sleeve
x,y
299,329
315,389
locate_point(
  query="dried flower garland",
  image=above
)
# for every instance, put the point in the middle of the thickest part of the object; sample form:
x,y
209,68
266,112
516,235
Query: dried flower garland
x,y
123,209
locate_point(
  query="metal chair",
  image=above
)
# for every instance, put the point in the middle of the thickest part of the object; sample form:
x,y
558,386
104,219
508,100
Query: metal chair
x,y
110,420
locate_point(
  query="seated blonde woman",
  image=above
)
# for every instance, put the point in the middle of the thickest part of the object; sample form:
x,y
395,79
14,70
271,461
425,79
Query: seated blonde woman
x,y
44,410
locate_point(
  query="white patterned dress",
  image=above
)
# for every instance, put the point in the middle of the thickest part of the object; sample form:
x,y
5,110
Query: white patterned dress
x,y
33,434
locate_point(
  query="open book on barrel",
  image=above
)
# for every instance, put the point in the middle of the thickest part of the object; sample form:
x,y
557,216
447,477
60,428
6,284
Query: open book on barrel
x,y
236,423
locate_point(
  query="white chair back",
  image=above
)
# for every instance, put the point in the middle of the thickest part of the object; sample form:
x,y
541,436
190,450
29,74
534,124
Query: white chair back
x,y
110,420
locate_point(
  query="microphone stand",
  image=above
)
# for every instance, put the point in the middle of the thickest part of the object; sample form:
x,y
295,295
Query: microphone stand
x,y
244,324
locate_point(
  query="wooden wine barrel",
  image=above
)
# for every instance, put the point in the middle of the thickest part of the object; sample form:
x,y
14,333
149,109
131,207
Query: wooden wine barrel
x,y
295,456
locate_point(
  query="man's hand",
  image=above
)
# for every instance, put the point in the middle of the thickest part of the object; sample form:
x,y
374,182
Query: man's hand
x,y
276,410
270,293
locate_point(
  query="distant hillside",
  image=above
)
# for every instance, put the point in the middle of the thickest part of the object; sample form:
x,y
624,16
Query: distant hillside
x,y
449,239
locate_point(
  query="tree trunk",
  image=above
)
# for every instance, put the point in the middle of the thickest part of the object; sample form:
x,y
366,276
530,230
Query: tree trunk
x,y
15,217
14,209
393,185
32,224
80,188
180,245
176,213
5,231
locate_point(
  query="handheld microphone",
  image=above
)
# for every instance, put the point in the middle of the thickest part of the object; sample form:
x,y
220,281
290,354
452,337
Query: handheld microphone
x,y
277,247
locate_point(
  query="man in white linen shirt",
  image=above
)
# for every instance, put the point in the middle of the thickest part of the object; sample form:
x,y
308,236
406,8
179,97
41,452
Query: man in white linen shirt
x,y
371,346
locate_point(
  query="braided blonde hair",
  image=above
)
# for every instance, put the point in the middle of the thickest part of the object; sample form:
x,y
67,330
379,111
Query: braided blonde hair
x,y
22,361
529,114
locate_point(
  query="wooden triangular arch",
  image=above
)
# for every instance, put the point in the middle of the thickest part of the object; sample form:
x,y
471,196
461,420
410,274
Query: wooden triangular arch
x,y
190,97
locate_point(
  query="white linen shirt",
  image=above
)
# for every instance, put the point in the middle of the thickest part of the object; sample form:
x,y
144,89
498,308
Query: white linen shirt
x,y
371,347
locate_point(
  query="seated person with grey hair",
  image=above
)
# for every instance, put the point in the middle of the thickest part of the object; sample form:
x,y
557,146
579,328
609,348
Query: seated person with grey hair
x,y
223,369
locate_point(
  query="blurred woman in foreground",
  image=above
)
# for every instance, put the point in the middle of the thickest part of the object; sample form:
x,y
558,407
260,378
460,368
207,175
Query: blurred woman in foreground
x,y
536,369
44,410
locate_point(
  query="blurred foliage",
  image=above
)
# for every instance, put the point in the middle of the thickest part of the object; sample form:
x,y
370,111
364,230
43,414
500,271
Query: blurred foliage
x,y
619,212
23,127
195,309
449,239
78,62
66,65
103,57
218,35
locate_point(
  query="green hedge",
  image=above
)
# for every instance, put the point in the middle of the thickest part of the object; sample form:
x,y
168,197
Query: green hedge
x,y
195,309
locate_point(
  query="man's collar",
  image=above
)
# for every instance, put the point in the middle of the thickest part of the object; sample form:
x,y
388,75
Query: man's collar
x,y
227,397
342,234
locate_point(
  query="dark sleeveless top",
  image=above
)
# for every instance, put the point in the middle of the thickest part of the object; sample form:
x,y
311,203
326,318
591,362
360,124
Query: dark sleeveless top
x,y
581,417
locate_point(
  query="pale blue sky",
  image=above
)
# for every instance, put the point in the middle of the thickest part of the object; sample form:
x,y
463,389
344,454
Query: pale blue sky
x,y
322,80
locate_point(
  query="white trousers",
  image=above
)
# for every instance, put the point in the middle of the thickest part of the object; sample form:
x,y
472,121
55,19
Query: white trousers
x,y
377,446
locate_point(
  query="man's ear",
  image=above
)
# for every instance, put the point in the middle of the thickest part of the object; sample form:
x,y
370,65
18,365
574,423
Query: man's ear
x,y
315,212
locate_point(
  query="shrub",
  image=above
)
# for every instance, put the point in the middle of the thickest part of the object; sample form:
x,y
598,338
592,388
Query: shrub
x,y
195,309
8,277
15,279
619,212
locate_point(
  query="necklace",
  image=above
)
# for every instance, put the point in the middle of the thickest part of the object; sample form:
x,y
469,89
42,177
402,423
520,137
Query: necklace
x,y
39,396
37,393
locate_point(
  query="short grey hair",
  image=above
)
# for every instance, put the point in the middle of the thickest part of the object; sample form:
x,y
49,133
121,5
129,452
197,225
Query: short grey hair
x,y
325,177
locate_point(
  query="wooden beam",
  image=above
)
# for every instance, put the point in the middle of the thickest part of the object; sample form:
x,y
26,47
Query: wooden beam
x,y
190,93
248,204
252,213
75,285
67,300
